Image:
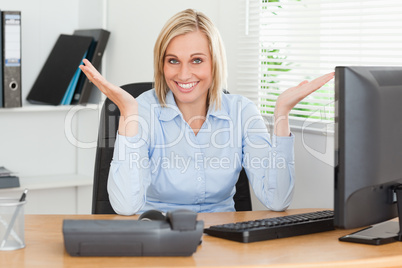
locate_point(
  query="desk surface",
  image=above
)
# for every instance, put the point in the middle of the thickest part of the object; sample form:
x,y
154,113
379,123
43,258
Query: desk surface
x,y
45,248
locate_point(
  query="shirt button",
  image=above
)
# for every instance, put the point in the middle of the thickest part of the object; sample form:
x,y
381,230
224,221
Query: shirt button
x,y
199,179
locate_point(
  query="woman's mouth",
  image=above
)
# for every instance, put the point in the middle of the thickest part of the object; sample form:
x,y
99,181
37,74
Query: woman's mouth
x,y
186,87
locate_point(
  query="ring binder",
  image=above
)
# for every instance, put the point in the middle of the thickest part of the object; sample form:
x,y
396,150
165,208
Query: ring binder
x,y
11,58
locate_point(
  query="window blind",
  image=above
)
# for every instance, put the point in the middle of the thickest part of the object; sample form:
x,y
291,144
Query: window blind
x,y
282,43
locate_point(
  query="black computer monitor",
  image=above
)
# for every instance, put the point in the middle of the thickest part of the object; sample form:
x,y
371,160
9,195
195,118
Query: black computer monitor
x,y
368,151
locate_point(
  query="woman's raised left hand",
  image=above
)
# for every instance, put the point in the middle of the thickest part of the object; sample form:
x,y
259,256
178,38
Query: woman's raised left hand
x,y
292,96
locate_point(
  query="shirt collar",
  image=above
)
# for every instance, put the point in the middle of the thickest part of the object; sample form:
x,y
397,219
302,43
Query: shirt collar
x,y
221,113
171,111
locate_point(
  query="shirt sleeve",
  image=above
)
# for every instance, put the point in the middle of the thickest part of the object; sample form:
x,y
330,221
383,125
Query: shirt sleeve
x,y
128,175
269,164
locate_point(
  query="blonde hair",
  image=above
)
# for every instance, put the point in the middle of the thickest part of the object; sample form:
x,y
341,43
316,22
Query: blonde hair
x,y
184,22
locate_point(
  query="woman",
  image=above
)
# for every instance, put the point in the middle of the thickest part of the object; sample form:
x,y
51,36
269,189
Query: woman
x,y
183,143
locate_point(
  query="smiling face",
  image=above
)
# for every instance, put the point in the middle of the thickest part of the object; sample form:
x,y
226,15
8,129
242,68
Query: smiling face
x,y
188,69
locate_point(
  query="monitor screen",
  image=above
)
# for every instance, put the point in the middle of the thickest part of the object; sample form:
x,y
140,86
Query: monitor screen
x,y
368,144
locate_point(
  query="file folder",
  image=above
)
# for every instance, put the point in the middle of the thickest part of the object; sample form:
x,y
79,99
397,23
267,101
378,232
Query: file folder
x,y
95,53
68,96
59,69
11,58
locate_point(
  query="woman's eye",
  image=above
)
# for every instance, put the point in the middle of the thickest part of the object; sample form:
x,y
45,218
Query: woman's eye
x,y
197,61
173,61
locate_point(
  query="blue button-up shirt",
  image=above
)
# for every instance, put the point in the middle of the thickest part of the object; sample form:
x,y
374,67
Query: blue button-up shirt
x,y
166,166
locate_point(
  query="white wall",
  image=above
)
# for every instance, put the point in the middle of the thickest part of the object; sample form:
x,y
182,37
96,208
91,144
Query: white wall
x,y
314,160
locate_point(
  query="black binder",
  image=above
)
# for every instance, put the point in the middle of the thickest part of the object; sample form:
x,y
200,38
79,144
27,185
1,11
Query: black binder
x,y
59,69
1,65
95,53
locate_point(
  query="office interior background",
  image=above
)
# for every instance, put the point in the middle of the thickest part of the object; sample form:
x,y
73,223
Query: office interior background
x,y
52,148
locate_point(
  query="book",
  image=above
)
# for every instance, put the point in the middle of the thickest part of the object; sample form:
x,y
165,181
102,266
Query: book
x,y
59,69
9,182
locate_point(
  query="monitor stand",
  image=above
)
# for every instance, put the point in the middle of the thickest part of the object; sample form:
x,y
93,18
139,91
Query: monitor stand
x,y
382,233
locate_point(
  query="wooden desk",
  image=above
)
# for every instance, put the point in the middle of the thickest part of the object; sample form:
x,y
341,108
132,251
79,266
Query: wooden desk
x,y
45,248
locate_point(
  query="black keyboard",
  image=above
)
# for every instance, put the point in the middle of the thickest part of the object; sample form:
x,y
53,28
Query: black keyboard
x,y
273,228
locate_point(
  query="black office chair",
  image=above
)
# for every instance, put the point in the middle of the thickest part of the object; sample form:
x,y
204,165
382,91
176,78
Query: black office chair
x,y
108,126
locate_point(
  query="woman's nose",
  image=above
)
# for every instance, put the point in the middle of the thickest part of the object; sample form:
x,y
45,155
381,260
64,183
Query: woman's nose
x,y
184,72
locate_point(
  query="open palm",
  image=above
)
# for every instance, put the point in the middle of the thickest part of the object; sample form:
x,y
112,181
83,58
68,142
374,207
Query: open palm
x,y
126,102
292,96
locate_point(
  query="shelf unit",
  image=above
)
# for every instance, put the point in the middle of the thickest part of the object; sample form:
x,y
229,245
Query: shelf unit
x,y
57,171
54,194
51,148
46,108
51,182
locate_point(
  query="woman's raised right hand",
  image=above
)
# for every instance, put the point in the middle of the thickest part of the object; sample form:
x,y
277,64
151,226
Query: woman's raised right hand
x,y
128,106
126,102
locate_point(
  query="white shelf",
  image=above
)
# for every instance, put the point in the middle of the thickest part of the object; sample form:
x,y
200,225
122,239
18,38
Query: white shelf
x,y
48,108
51,182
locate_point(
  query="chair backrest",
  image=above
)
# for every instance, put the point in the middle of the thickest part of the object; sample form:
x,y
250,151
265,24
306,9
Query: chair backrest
x,y
108,126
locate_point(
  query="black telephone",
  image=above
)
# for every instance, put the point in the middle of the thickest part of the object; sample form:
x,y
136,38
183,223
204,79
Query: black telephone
x,y
177,234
